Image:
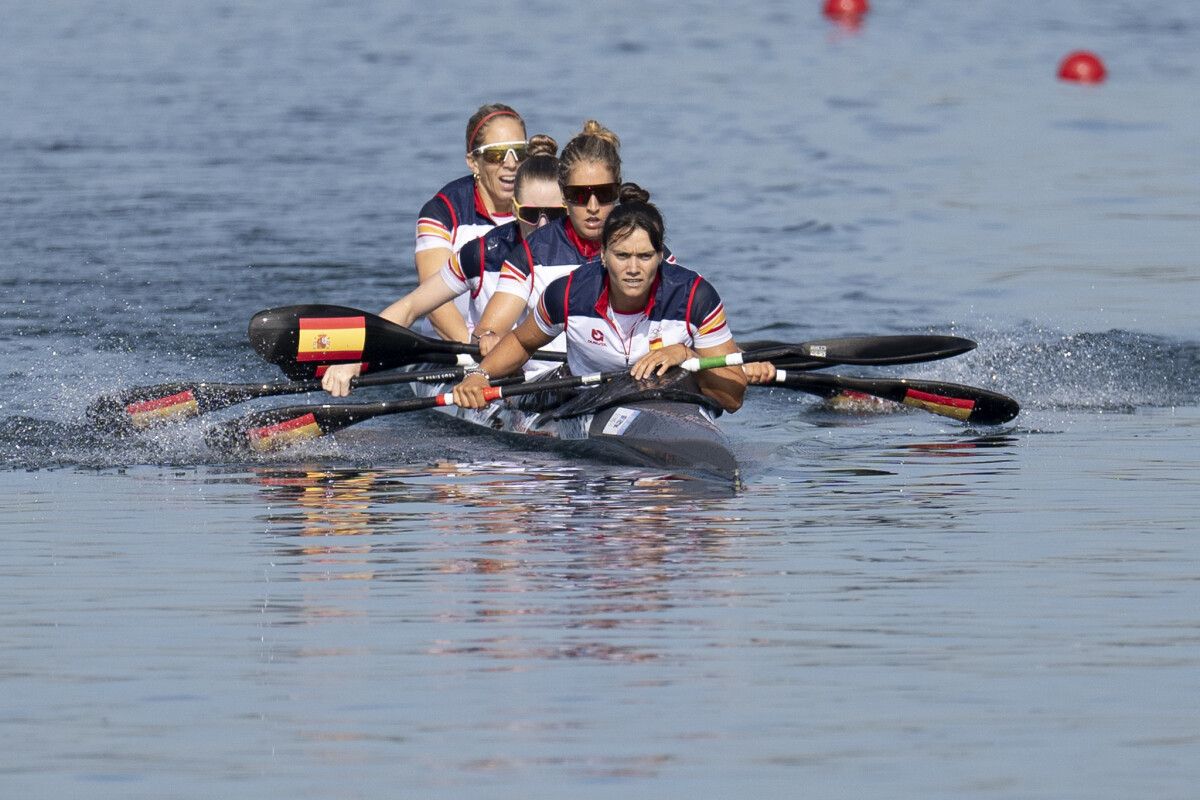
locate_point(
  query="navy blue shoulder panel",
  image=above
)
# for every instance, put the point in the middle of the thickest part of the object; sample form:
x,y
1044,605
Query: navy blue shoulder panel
x,y
454,204
486,254
550,245
674,291
554,300
586,284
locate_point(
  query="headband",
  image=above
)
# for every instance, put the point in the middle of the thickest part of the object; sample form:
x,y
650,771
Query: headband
x,y
479,125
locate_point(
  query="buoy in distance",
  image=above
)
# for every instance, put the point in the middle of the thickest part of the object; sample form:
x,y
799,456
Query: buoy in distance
x,y
1082,67
845,9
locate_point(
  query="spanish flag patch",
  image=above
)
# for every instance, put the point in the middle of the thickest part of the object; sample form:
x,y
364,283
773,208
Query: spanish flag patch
x,y
954,407
281,433
151,412
331,339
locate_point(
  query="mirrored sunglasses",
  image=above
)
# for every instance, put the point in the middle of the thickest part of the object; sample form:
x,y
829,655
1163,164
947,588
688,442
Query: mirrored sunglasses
x,y
497,152
533,214
578,195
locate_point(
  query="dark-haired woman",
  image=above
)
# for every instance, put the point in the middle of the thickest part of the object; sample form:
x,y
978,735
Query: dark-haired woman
x,y
472,205
629,308
475,270
589,173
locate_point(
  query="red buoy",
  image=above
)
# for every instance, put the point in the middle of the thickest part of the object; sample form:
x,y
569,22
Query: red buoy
x,y
1082,67
845,9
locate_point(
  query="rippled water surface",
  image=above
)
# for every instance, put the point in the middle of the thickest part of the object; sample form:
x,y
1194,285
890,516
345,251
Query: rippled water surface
x,y
892,604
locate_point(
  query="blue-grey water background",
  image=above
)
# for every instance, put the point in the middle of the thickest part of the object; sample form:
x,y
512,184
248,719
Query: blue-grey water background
x,y
893,605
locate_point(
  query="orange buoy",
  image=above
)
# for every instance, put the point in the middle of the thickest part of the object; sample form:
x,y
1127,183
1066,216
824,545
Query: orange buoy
x,y
845,9
1081,67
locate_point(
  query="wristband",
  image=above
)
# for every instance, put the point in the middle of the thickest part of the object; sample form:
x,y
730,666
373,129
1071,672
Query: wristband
x,y
478,371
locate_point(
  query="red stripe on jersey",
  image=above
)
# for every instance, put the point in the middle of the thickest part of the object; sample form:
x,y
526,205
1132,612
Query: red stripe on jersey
x,y
482,251
687,317
450,208
720,309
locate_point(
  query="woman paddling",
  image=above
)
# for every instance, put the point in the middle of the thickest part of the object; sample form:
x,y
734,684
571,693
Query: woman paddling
x,y
589,173
475,270
629,308
470,206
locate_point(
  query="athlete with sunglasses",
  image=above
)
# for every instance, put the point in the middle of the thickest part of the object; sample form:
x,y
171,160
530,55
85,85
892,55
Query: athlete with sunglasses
x,y
589,172
627,309
472,205
475,270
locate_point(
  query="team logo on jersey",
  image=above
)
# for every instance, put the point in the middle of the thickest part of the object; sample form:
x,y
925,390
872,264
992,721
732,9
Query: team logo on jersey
x,y
597,336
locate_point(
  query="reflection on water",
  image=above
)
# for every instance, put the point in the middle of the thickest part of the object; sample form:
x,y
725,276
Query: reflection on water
x,y
547,555
872,593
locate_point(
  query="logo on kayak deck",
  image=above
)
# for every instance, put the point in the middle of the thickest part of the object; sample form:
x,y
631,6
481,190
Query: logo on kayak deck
x,y
321,342
597,336
817,350
620,421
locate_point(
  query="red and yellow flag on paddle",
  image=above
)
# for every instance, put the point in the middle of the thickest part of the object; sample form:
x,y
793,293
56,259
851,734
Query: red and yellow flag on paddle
x,y
331,338
151,412
954,407
269,437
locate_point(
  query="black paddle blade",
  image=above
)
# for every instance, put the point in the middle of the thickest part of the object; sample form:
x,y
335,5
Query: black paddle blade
x,y
149,406
968,404
867,349
302,339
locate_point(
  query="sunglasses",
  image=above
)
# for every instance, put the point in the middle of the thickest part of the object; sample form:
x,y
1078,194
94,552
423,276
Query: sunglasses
x,y
605,193
533,214
497,152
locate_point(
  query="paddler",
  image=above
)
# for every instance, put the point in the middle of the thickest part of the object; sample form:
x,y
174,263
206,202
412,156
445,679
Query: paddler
x,y
470,206
475,270
589,173
627,308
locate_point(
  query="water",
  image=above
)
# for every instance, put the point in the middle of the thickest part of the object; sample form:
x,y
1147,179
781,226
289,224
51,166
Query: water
x,y
892,604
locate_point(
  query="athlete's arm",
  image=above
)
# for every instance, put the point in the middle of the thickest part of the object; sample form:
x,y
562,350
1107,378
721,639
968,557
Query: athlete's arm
x,y
506,358
502,312
725,385
446,319
426,298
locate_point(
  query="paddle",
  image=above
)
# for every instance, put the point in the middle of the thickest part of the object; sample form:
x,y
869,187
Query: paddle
x,y
266,430
147,406
866,350
299,339
964,403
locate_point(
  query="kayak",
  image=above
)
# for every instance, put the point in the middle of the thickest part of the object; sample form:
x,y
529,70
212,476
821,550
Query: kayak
x,y
669,427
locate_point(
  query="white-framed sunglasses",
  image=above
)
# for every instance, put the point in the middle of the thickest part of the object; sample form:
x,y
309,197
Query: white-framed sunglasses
x,y
497,152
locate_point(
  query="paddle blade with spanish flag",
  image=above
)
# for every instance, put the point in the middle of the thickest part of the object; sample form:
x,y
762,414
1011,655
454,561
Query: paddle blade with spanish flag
x,y
146,407
969,404
305,340
276,428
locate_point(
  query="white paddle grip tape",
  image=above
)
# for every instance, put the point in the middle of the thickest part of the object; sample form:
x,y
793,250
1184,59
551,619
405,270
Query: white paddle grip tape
x,y
780,375
690,364
465,360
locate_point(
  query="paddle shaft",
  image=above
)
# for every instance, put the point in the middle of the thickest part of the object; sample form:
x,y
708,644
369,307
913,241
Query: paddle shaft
x,y
266,430
864,350
147,406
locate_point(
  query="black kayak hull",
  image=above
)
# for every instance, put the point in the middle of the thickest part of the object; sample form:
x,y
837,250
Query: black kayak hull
x,y
678,437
